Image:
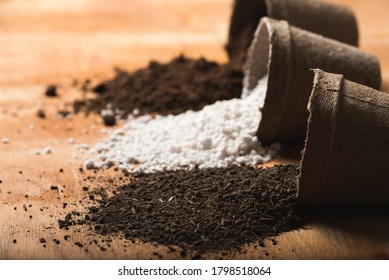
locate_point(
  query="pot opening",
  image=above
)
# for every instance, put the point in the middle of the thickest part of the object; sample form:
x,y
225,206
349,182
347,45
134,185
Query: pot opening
x,y
257,64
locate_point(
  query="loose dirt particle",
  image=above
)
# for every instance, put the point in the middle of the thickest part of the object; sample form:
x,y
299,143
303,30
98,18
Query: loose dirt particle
x,y
102,248
66,223
51,91
108,116
100,88
41,114
63,113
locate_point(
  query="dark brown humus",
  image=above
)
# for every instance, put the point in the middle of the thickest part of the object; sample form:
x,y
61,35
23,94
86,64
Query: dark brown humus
x,y
202,210
180,85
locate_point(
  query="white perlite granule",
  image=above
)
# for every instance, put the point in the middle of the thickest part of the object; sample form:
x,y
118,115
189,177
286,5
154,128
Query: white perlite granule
x,y
219,135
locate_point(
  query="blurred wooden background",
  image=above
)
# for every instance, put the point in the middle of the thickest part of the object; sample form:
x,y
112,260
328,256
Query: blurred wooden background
x,y
43,40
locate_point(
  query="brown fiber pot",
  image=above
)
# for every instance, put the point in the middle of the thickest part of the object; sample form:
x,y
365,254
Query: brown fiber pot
x,y
346,155
286,54
328,19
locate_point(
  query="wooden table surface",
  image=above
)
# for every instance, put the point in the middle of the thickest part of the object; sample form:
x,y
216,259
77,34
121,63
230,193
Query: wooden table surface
x,y
44,41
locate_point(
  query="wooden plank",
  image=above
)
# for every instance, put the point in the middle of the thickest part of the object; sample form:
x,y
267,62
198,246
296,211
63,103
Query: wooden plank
x,y
46,41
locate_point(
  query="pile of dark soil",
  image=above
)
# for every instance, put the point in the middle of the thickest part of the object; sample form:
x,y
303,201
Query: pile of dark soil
x,y
200,210
180,85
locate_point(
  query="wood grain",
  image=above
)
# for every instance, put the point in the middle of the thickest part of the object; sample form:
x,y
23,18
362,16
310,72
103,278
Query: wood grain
x,y
43,41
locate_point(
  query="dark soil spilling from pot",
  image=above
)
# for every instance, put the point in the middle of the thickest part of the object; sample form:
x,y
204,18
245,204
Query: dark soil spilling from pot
x,y
172,88
200,210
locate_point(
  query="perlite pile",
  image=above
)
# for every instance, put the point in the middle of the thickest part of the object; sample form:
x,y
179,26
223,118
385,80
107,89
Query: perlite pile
x,y
219,135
